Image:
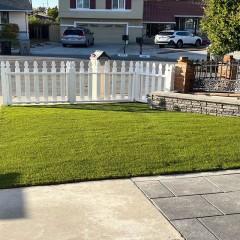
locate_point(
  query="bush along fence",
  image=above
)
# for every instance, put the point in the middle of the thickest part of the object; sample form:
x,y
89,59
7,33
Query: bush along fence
x,y
91,82
217,78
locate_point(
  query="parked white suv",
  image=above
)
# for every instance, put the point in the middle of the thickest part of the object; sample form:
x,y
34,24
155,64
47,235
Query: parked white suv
x,y
177,38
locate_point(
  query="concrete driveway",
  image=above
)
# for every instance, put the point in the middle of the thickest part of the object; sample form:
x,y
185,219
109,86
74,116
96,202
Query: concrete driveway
x,y
102,210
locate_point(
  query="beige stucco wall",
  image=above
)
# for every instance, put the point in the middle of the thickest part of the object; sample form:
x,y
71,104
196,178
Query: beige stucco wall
x,y
71,22
107,29
18,18
100,12
133,33
100,4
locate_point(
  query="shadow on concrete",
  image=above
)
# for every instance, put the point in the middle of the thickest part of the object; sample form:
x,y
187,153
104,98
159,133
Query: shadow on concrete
x,y
12,204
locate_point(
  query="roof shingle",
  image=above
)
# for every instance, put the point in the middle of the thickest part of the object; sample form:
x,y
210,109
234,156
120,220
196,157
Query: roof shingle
x,y
164,11
15,5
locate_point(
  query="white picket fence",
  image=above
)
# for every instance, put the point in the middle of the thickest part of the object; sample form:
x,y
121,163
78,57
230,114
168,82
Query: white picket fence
x,y
91,82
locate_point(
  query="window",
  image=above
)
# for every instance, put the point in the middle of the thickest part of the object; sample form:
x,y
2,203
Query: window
x,y
4,17
189,23
83,4
118,4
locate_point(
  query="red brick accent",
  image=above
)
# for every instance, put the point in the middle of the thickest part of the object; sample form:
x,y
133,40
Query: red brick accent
x,y
184,75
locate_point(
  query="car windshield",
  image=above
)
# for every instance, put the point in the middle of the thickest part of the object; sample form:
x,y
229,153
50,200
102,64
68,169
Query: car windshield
x,y
73,32
165,33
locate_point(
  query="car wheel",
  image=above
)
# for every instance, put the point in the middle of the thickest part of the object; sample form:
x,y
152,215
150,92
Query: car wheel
x,y
64,45
87,44
198,43
161,46
179,44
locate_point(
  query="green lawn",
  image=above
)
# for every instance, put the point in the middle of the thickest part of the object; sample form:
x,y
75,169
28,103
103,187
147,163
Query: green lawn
x,y
68,143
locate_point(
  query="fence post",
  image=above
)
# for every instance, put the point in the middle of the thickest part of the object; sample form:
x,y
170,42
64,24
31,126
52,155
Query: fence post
x,y
131,77
184,75
135,81
95,70
71,83
170,76
5,84
228,69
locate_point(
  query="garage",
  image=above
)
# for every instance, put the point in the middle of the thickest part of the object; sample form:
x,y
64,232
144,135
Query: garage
x,y
106,32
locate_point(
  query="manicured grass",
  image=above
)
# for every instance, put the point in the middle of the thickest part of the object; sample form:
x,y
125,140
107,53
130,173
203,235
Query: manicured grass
x,y
68,143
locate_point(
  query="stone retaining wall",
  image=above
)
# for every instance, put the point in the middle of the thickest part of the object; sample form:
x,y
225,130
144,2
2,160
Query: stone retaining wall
x,y
212,105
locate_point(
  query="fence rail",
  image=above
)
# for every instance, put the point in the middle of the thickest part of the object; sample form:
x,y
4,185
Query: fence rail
x,y
91,82
214,76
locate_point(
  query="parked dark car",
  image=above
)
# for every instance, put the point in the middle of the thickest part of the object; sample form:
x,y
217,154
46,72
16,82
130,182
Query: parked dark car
x,y
77,36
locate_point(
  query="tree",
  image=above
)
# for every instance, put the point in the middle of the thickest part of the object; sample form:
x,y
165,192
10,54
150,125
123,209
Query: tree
x,y
42,9
33,20
221,23
53,12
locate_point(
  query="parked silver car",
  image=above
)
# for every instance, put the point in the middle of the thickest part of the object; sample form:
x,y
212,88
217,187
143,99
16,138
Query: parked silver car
x,y
77,36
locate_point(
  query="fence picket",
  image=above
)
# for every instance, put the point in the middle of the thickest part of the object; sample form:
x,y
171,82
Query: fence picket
x,y
130,81
81,81
71,83
89,81
27,82
9,82
168,78
106,80
147,80
18,82
160,78
123,80
135,88
114,80
36,82
140,82
98,81
54,81
45,82
63,81
153,77
5,84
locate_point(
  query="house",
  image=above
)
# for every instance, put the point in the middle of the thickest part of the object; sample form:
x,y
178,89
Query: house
x,y
16,11
108,19
172,14
111,19
44,17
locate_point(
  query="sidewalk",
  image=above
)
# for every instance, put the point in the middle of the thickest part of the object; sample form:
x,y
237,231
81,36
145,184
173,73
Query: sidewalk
x,y
202,206
99,210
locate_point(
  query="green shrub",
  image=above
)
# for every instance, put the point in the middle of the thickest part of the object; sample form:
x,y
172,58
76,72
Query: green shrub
x,y
10,30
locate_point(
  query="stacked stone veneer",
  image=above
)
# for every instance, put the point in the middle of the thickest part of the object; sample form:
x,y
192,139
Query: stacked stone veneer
x,y
219,106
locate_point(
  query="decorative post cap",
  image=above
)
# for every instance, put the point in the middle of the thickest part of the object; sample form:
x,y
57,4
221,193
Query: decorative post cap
x,y
183,59
228,58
